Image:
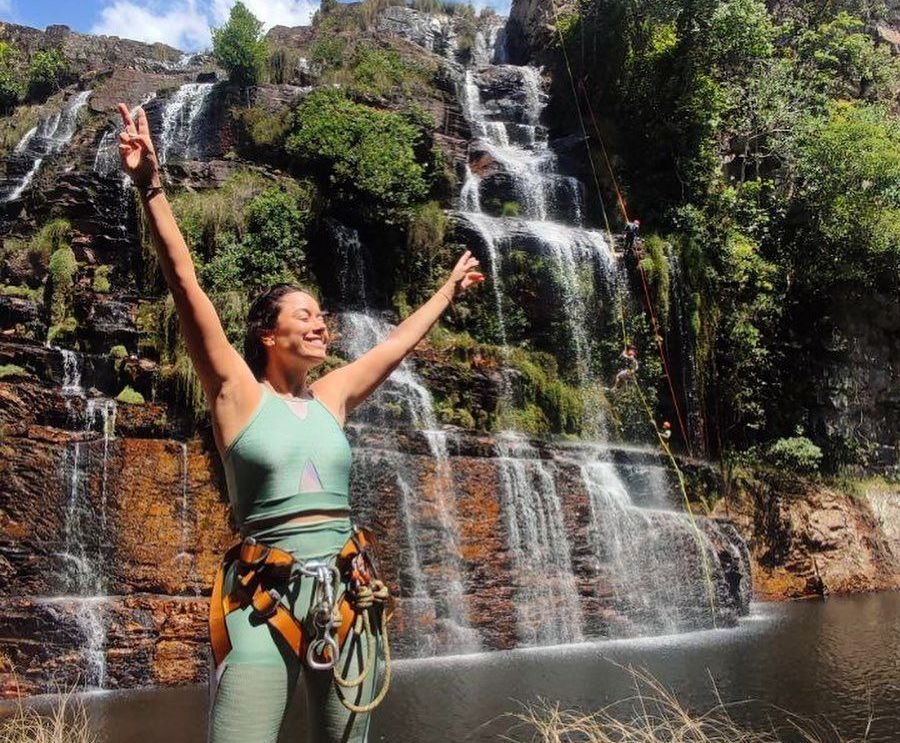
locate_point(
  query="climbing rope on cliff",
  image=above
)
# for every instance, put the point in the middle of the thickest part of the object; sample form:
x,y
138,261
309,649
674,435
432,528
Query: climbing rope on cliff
x,y
663,439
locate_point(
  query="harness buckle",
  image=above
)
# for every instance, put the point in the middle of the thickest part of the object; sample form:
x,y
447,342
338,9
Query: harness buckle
x,y
275,598
259,562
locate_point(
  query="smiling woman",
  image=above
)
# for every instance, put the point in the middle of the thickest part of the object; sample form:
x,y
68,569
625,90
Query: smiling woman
x,y
318,605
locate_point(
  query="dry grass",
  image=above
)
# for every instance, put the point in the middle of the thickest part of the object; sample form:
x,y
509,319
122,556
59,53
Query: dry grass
x,y
65,722
653,714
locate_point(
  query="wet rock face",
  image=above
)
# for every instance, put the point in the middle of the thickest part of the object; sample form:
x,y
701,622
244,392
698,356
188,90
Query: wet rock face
x,y
807,539
856,391
149,521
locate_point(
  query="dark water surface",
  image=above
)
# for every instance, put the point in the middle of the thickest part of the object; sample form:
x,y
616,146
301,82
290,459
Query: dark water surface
x,y
837,659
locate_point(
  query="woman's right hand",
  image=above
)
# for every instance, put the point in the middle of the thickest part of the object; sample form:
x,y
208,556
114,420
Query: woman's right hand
x,y
136,149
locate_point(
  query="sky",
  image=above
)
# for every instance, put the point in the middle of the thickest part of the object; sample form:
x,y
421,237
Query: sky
x,y
183,24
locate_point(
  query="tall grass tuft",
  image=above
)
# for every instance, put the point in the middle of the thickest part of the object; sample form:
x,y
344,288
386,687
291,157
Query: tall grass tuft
x,y
66,722
653,714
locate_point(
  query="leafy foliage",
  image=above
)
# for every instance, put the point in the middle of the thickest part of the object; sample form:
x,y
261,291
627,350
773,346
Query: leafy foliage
x,y
795,454
360,150
47,71
12,87
764,146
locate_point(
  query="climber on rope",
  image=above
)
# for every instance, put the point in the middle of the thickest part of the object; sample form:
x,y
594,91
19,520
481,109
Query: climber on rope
x,y
299,599
666,432
629,371
632,232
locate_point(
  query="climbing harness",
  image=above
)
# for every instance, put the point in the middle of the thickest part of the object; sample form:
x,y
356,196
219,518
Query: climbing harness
x,y
319,638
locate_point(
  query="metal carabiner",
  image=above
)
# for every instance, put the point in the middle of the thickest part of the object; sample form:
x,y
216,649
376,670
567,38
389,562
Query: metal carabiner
x,y
318,648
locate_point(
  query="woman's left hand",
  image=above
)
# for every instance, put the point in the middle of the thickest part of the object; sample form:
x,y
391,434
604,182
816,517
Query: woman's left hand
x,y
464,274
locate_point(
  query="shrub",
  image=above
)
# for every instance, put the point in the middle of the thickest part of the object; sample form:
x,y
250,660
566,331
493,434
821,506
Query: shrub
x,y
328,51
52,236
264,131
796,454
12,87
360,149
239,46
60,285
46,73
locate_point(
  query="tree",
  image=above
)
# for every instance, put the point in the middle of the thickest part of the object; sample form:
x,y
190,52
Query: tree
x,y
846,167
239,46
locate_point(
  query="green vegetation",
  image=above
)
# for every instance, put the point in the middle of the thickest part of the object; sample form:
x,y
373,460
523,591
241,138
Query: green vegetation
x,y
12,87
47,73
118,353
795,454
248,234
130,396
101,283
8,371
360,150
239,46
765,149
60,289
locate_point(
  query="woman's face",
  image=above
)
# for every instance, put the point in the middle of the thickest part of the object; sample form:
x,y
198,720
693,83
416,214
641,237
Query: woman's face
x,y
300,333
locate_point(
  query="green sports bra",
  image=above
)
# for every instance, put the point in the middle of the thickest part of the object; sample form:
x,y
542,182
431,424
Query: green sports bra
x,y
291,457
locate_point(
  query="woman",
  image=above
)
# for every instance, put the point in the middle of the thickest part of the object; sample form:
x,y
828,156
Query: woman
x,y
287,466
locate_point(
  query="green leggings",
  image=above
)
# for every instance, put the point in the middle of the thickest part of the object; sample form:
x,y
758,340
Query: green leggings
x,y
258,677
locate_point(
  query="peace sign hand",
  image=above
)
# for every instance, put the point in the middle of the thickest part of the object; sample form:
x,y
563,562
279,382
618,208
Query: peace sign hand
x,y
136,149
464,275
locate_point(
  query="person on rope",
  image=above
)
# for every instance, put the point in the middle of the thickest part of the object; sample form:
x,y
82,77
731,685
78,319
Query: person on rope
x,y
632,229
632,232
298,599
666,433
626,374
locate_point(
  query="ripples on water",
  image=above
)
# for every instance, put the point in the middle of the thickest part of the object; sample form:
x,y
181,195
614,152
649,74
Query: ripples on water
x,y
828,660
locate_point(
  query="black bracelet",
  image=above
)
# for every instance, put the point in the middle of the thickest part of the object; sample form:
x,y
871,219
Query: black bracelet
x,y
148,192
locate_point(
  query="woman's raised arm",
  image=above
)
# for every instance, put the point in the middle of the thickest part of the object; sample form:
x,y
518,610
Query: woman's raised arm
x,y
345,388
231,390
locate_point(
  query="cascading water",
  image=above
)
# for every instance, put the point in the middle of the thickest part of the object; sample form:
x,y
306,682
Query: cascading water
x,y
179,137
49,137
511,161
85,546
658,561
403,391
547,600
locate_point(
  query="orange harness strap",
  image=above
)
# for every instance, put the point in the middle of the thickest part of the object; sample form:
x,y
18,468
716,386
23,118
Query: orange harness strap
x,y
355,562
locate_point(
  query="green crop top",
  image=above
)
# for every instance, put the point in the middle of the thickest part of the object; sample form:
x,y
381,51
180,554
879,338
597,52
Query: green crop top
x,y
291,457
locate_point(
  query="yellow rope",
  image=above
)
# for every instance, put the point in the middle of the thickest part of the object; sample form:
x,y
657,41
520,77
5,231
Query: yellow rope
x,y
362,709
697,533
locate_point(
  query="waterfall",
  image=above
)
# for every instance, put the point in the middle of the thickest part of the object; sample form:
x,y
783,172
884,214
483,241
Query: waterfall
x,y
85,527
49,137
547,601
405,394
504,105
359,333
179,138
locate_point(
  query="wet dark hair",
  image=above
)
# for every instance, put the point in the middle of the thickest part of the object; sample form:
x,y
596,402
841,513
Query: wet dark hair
x,y
261,319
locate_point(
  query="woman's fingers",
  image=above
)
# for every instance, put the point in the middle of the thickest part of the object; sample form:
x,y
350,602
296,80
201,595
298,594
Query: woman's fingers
x,y
126,119
142,126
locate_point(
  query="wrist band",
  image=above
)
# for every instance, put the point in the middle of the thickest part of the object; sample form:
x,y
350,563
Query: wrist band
x,y
150,191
